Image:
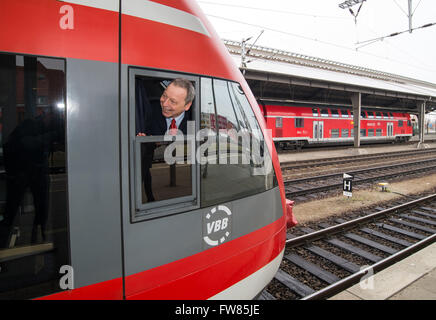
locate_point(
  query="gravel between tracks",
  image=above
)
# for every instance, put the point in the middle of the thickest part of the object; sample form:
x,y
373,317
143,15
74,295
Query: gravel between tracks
x,y
316,210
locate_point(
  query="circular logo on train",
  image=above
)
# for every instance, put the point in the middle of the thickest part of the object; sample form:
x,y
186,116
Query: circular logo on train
x,y
217,223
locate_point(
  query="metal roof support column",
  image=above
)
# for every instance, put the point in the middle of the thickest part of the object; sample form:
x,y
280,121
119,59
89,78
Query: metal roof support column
x,y
356,99
421,118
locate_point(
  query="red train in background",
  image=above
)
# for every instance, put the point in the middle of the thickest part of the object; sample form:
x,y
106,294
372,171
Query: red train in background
x,y
299,125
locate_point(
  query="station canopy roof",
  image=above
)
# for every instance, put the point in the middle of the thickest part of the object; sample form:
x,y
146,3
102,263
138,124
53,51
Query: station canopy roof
x,y
281,76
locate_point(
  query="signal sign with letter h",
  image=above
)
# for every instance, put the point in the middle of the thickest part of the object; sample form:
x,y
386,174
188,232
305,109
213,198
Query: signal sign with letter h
x,y
347,185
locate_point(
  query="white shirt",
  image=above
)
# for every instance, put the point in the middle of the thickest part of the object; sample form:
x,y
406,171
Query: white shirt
x,y
178,120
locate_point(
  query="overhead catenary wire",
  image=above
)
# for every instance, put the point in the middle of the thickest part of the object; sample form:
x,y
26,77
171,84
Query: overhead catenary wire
x,y
394,34
272,10
390,59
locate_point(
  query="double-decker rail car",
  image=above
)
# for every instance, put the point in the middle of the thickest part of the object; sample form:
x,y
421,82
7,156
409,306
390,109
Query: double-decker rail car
x,y
97,201
298,125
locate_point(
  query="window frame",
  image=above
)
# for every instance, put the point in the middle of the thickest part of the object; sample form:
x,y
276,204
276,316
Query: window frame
x,y
334,112
335,133
324,114
60,235
299,122
344,131
157,209
344,113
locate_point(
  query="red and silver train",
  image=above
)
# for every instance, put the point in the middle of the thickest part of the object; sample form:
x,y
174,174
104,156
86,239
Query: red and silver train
x,y
77,78
299,125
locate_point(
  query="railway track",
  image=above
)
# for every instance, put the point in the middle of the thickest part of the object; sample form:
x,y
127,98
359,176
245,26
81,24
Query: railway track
x,y
314,185
321,263
315,148
292,165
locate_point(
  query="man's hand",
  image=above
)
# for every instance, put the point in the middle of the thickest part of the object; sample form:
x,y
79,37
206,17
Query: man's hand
x,y
141,134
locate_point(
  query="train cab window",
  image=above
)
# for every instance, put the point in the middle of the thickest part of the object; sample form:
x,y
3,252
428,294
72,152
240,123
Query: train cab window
x,y
400,123
235,162
279,122
324,112
335,113
33,176
315,112
165,175
299,122
409,123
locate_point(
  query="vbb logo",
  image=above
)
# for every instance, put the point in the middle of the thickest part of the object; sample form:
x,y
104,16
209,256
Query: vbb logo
x,y
217,225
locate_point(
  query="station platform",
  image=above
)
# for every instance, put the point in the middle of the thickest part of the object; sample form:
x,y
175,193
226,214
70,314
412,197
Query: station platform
x,y
413,278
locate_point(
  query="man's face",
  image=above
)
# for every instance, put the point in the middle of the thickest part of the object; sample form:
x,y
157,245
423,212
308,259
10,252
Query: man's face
x,y
172,101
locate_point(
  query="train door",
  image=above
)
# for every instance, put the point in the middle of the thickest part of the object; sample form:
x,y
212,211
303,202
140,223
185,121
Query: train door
x,y
318,130
390,129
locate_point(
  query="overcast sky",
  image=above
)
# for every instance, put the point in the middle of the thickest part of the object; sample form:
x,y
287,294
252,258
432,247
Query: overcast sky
x,y
322,29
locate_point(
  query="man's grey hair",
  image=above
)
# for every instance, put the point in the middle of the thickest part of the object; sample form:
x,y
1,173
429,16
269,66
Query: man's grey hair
x,y
185,84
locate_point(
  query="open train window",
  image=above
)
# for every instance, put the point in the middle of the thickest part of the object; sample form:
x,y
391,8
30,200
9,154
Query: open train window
x,y
163,122
33,176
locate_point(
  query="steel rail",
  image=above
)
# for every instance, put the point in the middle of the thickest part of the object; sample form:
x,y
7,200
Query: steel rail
x,y
355,172
294,242
357,181
378,266
339,160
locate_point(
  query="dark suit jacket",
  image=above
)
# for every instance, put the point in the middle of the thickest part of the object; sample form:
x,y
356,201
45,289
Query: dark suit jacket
x,y
156,125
